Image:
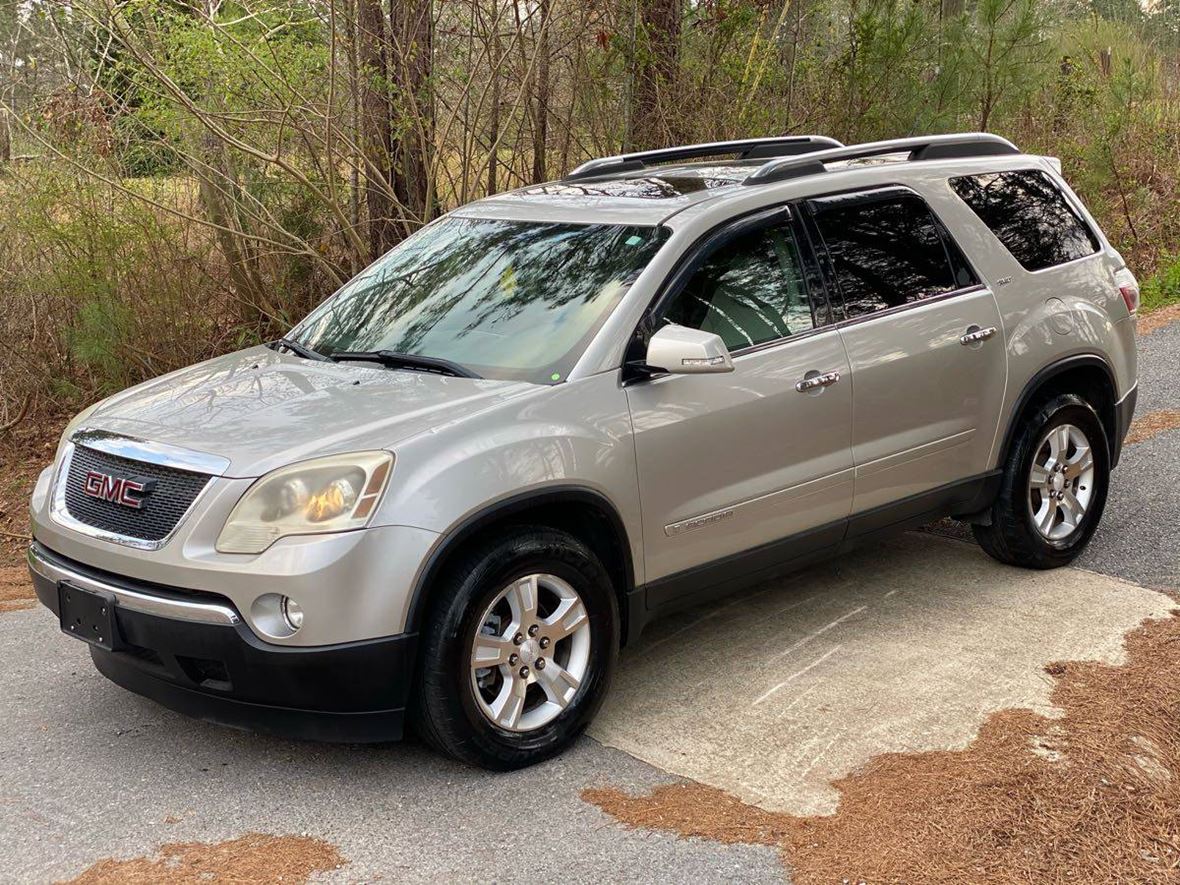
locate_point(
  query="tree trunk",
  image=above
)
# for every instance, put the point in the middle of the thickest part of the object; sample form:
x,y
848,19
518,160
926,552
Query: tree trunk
x,y
655,73
376,127
413,38
5,137
494,119
541,105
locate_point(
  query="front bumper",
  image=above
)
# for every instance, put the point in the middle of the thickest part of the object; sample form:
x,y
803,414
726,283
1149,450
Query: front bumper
x,y
192,653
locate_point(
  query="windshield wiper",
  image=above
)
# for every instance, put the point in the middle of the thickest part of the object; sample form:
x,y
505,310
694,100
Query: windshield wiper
x,y
396,360
296,348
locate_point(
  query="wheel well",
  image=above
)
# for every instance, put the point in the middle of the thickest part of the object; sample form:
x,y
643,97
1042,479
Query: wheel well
x,y
584,514
1090,379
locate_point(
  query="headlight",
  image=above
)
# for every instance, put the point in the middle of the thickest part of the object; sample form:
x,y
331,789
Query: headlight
x,y
310,498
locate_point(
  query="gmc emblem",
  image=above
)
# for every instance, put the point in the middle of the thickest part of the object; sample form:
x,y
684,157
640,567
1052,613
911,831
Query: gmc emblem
x,y
124,490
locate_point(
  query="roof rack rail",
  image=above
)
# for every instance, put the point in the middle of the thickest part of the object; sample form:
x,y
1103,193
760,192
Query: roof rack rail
x,y
746,149
929,147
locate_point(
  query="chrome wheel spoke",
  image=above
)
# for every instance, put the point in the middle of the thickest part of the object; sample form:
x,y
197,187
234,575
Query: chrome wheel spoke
x,y
1072,508
491,651
1059,442
1047,515
1082,461
566,620
1038,476
507,708
559,684
522,598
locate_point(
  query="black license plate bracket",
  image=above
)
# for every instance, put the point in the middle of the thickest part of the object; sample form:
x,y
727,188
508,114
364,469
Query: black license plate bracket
x,y
88,615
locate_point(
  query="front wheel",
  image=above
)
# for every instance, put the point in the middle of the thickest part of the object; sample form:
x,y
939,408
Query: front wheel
x,y
519,650
1053,490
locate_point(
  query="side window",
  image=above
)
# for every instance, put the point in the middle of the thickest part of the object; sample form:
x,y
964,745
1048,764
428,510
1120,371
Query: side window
x,y
750,291
1028,214
888,251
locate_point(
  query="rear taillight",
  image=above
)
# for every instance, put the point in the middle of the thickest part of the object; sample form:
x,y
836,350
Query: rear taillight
x,y
1128,288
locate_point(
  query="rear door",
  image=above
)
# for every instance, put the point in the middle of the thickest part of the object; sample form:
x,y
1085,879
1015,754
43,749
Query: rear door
x,y
731,464
924,340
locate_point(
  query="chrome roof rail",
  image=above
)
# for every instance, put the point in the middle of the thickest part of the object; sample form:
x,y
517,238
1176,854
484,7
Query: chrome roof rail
x,y
928,147
745,149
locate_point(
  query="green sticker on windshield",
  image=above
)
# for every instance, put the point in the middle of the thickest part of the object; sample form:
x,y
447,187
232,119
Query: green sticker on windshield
x,y
634,240
556,376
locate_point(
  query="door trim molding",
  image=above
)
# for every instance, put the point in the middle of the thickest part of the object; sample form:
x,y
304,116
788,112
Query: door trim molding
x,y
914,453
799,490
748,567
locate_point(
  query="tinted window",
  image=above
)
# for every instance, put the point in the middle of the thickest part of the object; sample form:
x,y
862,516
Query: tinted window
x,y
888,251
750,291
508,299
1029,215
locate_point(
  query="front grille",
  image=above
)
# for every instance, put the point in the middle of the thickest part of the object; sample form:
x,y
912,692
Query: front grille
x,y
173,494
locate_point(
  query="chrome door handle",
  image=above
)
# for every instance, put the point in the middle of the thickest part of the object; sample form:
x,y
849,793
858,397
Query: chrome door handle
x,y
813,381
976,335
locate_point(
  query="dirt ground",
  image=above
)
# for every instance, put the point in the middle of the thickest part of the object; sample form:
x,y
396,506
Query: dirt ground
x,y
1157,319
24,452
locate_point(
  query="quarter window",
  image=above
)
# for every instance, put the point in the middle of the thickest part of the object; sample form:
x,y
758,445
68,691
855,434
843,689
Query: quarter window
x,y
888,251
750,291
1028,214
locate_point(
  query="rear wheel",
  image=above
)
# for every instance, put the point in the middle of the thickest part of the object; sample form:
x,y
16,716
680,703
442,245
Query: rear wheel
x,y
519,651
1053,490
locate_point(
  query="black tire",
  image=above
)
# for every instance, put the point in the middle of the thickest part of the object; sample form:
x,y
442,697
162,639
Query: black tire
x,y
1013,537
445,711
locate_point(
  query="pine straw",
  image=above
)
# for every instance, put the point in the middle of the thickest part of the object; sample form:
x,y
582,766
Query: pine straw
x,y
16,592
1152,424
253,858
1091,797
1157,319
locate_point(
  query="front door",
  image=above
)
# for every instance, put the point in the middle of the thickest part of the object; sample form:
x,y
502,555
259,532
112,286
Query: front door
x,y
926,345
730,464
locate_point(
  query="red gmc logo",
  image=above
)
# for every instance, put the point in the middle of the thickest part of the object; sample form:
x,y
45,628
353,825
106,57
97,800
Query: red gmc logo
x,y
117,489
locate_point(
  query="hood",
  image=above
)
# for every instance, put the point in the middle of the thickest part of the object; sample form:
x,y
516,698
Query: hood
x,y
262,409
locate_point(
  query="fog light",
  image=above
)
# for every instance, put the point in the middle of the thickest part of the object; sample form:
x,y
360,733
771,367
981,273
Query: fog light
x,y
292,613
275,616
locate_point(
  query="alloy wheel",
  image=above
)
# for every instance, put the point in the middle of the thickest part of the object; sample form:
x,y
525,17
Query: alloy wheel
x,y
1061,482
530,653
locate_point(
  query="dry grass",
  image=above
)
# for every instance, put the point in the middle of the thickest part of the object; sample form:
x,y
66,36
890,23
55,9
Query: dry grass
x,y
253,858
1157,319
1152,424
1091,797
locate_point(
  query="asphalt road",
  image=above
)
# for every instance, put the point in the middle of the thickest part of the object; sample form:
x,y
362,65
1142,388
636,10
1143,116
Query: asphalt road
x,y
88,771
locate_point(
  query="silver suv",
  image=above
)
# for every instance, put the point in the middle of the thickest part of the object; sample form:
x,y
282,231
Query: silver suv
x,y
454,490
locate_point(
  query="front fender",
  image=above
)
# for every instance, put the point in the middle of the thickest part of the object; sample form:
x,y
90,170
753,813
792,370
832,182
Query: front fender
x,y
574,435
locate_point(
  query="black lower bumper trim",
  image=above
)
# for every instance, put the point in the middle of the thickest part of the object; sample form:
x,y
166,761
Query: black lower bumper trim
x,y
352,692
1124,412
372,726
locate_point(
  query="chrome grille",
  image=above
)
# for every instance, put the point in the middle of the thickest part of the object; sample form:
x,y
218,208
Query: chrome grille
x,y
174,493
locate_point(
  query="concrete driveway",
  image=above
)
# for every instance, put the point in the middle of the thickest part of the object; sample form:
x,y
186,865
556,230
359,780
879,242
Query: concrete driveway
x,y
771,695
907,646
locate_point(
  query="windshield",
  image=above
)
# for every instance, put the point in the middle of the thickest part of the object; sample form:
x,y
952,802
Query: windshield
x,y
505,299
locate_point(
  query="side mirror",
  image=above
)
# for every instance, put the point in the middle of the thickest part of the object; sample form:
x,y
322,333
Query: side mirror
x,y
680,350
